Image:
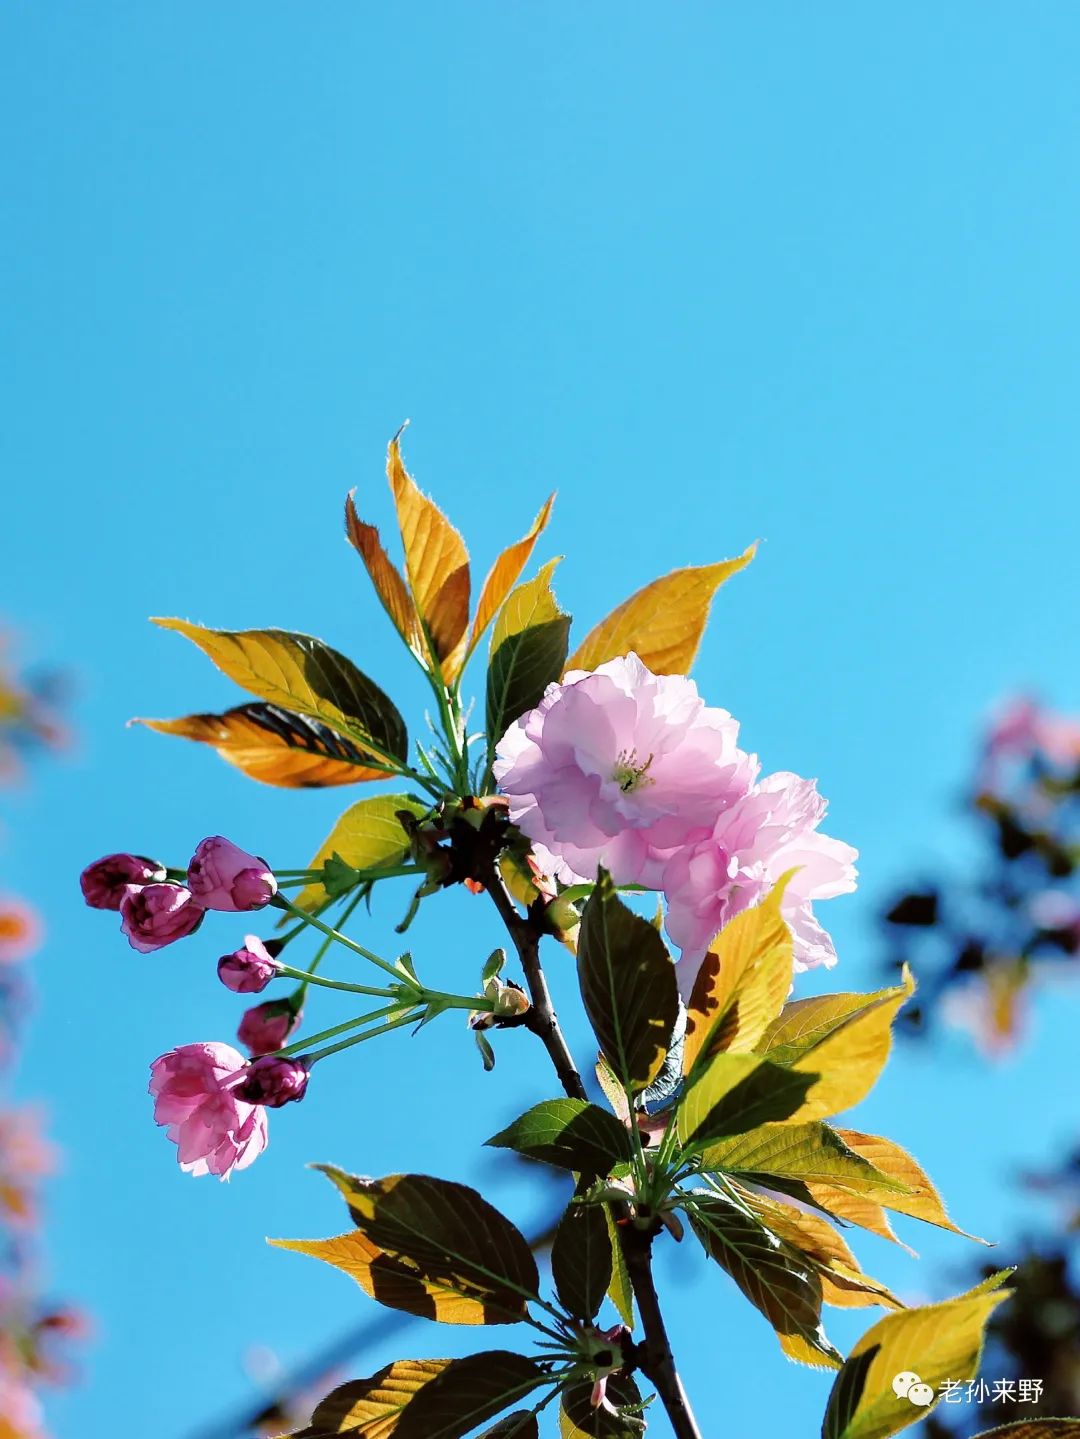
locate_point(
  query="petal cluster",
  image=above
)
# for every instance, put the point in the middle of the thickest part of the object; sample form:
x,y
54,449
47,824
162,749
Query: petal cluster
x,y
196,1097
632,771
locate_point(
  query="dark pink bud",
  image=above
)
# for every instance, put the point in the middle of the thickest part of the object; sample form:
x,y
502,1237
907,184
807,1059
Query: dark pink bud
x,y
222,876
273,1081
156,914
103,882
268,1026
248,970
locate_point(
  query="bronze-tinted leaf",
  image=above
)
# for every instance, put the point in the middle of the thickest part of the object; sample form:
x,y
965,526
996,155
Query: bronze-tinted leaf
x,y
437,565
628,986
275,745
385,576
504,574
304,675
662,623
372,1408
918,1197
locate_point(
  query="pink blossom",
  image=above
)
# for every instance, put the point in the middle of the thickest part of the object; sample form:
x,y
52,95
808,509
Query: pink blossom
x,y
272,1081
20,930
21,1415
267,1026
621,768
154,915
248,970
223,876
195,1091
103,883
1020,728
771,830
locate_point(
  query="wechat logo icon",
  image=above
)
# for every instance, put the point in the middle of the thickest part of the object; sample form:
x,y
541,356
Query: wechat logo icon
x,y
908,1385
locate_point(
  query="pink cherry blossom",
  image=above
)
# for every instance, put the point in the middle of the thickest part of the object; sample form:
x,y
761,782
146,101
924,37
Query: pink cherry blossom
x,y
195,1091
752,844
272,1081
622,768
247,970
153,915
223,876
103,883
267,1026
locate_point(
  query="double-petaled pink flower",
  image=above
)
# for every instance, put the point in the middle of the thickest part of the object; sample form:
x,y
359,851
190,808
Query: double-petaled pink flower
x,y
196,1095
153,915
620,768
104,883
223,876
769,831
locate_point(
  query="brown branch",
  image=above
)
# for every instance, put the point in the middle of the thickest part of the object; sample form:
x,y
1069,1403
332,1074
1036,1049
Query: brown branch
x,y
654,1356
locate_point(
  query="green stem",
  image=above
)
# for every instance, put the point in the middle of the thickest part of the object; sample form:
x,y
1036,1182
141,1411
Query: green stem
x,y
285,903
409,1018
306,978
301,1045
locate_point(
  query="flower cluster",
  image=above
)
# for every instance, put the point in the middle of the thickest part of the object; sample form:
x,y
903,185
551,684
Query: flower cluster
x,y
632,771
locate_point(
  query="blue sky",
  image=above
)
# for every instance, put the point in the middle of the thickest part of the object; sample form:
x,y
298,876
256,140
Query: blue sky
x,y
713,272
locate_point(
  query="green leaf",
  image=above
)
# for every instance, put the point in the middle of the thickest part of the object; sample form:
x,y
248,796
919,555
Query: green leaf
x,y
581,1260
801,1151
737,1093
467,1393
937,1342
774,1277
368,836
528,651
569,1133
303,674
1035,1429
742,983
451,1236
620,1290
579,1420
628,986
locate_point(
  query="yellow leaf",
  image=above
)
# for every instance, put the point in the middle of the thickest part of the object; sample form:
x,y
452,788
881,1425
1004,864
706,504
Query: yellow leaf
x,y
367,836
532,603
385,576
504,575
937,1342
437,564
742,984
620,1290
856,1209
850,1057
372,1408
301,673
922,1201
274,745
662,623
390,1279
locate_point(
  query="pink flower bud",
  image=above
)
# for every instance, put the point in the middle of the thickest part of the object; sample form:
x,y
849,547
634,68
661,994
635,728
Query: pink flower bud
x,y
195,1095
103,882
222,876
268,1026
274,1082
154,915
248,970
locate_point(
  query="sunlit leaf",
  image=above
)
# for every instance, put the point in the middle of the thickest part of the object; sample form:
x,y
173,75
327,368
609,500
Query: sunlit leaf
x,y
274,745
451,1235
775,1278
620,1290
303,674
1035,1429
397,1283
847,1053
581,1261
385,576
528,649
743,982
736,1093
372,1408
579,1420
504,574
436,563
806,1152
938,1342
570,1133
922,1200
855,1209
368,836
662,623
628,986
